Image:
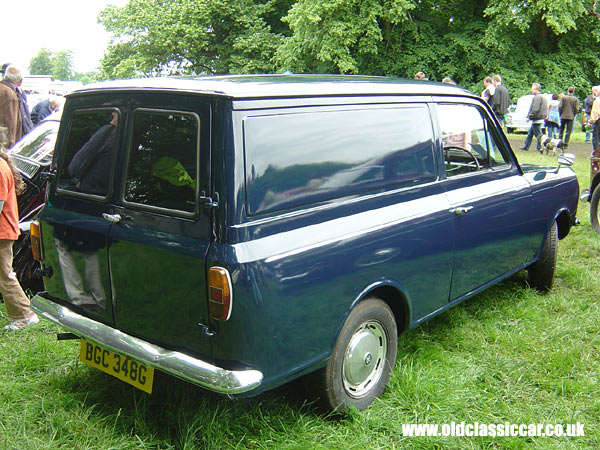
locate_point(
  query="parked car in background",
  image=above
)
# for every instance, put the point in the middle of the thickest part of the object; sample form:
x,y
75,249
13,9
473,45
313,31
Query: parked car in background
x,y
516,119
241,232
32,155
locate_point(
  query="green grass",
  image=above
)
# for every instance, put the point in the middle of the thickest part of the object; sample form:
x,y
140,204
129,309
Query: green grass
x,y
509,354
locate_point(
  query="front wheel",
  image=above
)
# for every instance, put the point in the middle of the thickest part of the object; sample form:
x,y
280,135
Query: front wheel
x,y
595,210
363,357
540,275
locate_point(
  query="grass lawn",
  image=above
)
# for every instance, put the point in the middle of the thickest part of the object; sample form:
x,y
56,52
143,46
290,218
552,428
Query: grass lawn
x,y
507,355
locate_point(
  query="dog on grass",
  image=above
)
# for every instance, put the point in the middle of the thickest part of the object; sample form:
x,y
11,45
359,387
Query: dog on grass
x,y
552,144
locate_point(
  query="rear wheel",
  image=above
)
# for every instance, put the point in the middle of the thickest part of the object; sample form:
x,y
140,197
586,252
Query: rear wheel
x,y
540,275
595,209
362,359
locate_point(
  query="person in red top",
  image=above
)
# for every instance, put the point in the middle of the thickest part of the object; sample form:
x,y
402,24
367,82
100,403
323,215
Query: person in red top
x,y
15,300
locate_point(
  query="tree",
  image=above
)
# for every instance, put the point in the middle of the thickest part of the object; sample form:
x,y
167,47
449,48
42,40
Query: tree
x,y
87,77
190,36
41,64
59,64
62,65
548,41
540,40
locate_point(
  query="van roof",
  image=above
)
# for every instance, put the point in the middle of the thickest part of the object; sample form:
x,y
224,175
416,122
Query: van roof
x,y
273,86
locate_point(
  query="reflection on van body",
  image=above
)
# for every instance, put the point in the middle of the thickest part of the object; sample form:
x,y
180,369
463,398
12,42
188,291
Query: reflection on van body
x,y
349,152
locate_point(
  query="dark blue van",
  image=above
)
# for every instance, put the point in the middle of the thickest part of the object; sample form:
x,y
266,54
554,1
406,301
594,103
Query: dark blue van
x,y
241,232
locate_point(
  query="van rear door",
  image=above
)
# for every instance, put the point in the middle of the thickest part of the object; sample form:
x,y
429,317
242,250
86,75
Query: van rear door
x,y
160,233
75,231
125,236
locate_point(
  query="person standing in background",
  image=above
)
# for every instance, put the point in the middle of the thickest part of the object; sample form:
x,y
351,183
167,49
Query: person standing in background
x,y
14,111
587,108
553,119
502,102
488,91
10,118
537,114
595,118
568,108
16,302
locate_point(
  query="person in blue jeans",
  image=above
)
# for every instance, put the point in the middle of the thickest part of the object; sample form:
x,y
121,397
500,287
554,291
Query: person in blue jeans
x,y
553,119
537,115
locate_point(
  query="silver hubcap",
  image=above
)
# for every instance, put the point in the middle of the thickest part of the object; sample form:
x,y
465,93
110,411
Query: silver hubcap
x,y
364,359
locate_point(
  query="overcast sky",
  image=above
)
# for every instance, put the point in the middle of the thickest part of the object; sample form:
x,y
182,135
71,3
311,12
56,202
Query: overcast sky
x,y
31,25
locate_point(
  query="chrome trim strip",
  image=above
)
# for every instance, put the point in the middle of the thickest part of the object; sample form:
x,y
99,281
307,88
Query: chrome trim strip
x,y
177,364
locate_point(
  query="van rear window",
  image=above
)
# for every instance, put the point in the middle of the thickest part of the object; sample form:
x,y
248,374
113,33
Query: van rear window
x,y
89,152
298,159
162,168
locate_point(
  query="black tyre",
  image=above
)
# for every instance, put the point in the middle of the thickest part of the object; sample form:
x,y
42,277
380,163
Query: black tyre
x,y
540,274
595,210
362,359
25,266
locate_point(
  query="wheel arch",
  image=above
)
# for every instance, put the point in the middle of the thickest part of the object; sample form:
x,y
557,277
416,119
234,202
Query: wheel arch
x,y
394,295
563,221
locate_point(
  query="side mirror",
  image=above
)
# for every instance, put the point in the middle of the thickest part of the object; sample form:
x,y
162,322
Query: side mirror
x,y
566,159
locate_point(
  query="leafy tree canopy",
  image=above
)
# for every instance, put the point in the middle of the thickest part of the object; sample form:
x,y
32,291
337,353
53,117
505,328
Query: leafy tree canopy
x,y
62,65
59,64
41,64
548,41
190,36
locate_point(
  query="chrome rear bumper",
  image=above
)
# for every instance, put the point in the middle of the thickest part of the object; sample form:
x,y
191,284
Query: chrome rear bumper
x,y
177,364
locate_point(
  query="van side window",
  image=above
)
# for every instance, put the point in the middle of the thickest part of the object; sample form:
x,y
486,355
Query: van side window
x,y
163,160
468,142
89,152
298,159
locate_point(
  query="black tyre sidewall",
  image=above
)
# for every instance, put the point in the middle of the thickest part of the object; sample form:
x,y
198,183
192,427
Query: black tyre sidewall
x,y
540,275
369,309
594,205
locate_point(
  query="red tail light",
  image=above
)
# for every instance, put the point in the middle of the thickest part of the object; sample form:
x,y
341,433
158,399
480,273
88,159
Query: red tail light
x,y
36,242
220,295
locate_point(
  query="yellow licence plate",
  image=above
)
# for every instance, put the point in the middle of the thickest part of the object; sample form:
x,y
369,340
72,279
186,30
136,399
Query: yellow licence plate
x,y
119,366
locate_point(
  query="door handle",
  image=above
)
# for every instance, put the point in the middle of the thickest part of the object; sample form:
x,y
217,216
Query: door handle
x,y
460,210
114,218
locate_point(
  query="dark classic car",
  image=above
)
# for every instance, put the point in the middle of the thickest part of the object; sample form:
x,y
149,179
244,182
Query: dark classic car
x,y
32,155
240,232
